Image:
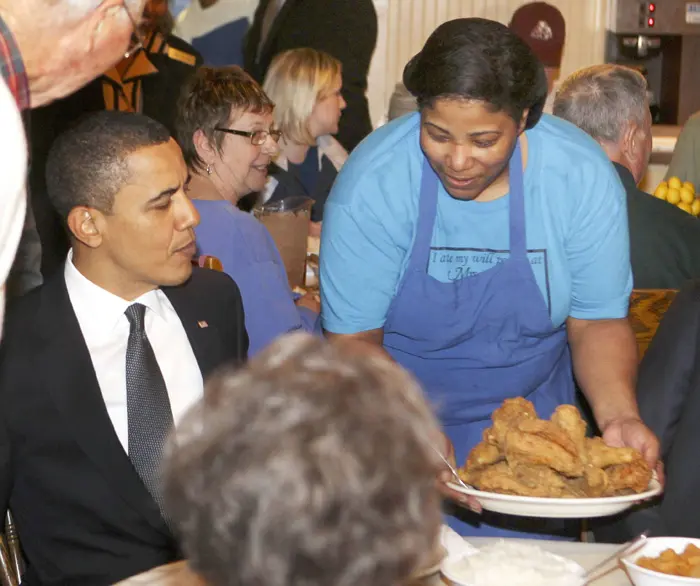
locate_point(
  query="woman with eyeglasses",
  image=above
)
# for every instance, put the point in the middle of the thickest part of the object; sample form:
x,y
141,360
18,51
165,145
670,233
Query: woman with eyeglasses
x,y
225,128
305,86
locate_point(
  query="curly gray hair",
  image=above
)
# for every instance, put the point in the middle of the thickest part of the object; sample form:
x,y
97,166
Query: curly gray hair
x,y
313,465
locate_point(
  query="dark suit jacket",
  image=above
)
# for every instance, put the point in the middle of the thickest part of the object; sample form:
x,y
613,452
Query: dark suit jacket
x,y
668,392
664,240
83,515
346,29
160,95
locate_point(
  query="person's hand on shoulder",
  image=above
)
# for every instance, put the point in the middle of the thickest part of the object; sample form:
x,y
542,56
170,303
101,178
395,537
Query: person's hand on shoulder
x,y
311,301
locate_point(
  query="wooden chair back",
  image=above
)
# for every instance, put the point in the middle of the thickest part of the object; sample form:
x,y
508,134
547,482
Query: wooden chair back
x,y
647,308
11,561
209,262
175,574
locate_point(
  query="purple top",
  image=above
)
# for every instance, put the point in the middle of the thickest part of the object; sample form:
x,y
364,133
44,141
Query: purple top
x,y
249,255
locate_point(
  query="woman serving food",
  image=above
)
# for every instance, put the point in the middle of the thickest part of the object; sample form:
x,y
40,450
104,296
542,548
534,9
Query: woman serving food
x,y
484,246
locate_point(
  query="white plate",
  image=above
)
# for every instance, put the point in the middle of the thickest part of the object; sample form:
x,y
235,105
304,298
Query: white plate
x,y
556,508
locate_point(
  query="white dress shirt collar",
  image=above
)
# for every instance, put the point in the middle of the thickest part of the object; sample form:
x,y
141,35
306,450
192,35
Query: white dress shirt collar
x,y
99,311
105,330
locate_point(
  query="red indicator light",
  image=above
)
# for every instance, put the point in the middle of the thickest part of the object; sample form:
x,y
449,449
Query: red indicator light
x,y
652,7
650,21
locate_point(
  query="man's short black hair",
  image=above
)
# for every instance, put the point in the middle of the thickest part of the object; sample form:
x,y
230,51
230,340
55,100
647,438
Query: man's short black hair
x,y
87,164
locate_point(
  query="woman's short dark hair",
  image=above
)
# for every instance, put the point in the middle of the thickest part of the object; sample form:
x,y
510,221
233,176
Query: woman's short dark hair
x,y
209,99
479,59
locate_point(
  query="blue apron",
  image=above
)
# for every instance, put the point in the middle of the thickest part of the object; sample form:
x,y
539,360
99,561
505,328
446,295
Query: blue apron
x,y
474,342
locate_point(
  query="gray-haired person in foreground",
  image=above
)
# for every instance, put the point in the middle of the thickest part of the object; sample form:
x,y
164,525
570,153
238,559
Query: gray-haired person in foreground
x,y
51,49
610,103
311,466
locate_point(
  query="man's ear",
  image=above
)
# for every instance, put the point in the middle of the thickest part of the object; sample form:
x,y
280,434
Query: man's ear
x,y
639,140
631,140
86,225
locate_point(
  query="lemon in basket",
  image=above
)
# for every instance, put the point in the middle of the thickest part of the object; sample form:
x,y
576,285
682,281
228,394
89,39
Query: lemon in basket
x,y
689,185
661,190
673,196
695,207
675,183
687,196
685,207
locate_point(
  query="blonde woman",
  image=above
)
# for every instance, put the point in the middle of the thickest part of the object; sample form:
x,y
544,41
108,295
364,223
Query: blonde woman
x,y
305,85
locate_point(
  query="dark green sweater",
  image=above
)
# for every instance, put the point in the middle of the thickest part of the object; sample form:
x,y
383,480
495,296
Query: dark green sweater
x,y
664,240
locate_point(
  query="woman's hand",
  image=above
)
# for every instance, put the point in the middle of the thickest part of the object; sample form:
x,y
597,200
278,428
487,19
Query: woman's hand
x,y
445,476
311,301
315,229
632,433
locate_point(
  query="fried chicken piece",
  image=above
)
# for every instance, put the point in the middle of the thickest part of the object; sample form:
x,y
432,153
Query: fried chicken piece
x,y
597,481
629,478
500,478
576,488
532,449
600,455
568,418
469,476
489,437
508,415
593,484
483,454
550,432
538,478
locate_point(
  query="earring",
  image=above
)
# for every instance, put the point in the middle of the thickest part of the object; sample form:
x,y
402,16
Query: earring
x,y
208,169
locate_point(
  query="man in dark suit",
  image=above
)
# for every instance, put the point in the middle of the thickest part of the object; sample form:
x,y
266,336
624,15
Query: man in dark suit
x,y
668,393
346,29
610,103
100,362
148,80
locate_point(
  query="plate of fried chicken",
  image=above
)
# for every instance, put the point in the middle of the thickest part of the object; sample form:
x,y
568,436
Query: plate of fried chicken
x,y
534,467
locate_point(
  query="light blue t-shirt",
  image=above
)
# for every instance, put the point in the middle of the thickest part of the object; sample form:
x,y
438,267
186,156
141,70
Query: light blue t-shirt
x,y
576,223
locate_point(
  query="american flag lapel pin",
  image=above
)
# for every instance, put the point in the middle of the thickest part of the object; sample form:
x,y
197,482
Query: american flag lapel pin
x,y
202,324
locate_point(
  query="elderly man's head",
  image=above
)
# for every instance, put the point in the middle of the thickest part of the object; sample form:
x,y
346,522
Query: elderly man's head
x,y
610,103
67,43
311,466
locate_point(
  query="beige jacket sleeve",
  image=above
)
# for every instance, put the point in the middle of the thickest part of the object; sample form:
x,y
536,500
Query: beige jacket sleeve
x,y
13,173
685,163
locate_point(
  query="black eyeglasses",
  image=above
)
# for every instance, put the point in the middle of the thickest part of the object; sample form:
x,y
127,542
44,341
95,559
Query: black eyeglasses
x,y
137,41
257,137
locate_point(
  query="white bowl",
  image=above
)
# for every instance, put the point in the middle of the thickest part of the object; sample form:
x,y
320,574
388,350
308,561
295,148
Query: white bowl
x,y
451,569
653,547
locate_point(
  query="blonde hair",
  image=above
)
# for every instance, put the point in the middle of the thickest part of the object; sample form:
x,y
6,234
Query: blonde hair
x,y
295,81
